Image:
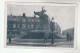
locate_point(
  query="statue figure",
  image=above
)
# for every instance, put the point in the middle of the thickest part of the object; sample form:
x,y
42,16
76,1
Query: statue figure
x,y
43,18
44,23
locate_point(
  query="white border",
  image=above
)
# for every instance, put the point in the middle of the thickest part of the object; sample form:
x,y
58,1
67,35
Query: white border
x,y
40,3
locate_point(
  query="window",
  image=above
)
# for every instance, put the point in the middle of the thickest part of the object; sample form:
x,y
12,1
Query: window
x,y
14,25
14,19
23,20
29,20
32,26
28,26
18,25
23,25
32,20
38,20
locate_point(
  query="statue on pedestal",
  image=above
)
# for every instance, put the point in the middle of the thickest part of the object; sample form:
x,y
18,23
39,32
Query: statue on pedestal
x,y
44,23
43,19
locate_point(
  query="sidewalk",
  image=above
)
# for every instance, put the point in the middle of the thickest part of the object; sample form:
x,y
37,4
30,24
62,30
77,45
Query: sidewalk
x,y
58,44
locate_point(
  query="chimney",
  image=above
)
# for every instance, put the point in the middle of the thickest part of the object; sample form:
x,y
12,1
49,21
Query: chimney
x,y
23,15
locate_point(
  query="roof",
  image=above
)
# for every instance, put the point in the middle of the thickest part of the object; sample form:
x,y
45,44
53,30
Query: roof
x,y
9,17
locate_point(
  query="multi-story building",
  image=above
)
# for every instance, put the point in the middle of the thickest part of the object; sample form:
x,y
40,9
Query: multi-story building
x,y
22,25
69,31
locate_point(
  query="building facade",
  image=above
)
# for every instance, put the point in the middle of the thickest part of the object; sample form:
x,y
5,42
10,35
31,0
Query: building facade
x,y
21,26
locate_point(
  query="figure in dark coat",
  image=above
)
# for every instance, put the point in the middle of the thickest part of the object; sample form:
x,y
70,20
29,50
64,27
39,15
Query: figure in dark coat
x,y
9,39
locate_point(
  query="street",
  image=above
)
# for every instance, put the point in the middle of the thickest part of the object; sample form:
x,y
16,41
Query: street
x,y
40,43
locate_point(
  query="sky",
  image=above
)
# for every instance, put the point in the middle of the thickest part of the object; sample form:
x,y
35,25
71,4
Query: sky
x,y
63,15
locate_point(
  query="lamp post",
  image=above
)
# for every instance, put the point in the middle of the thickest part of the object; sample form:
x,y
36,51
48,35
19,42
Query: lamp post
x,y
52,28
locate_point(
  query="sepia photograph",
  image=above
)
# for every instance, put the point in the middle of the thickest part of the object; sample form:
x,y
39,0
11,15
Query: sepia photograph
x,y
40,25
